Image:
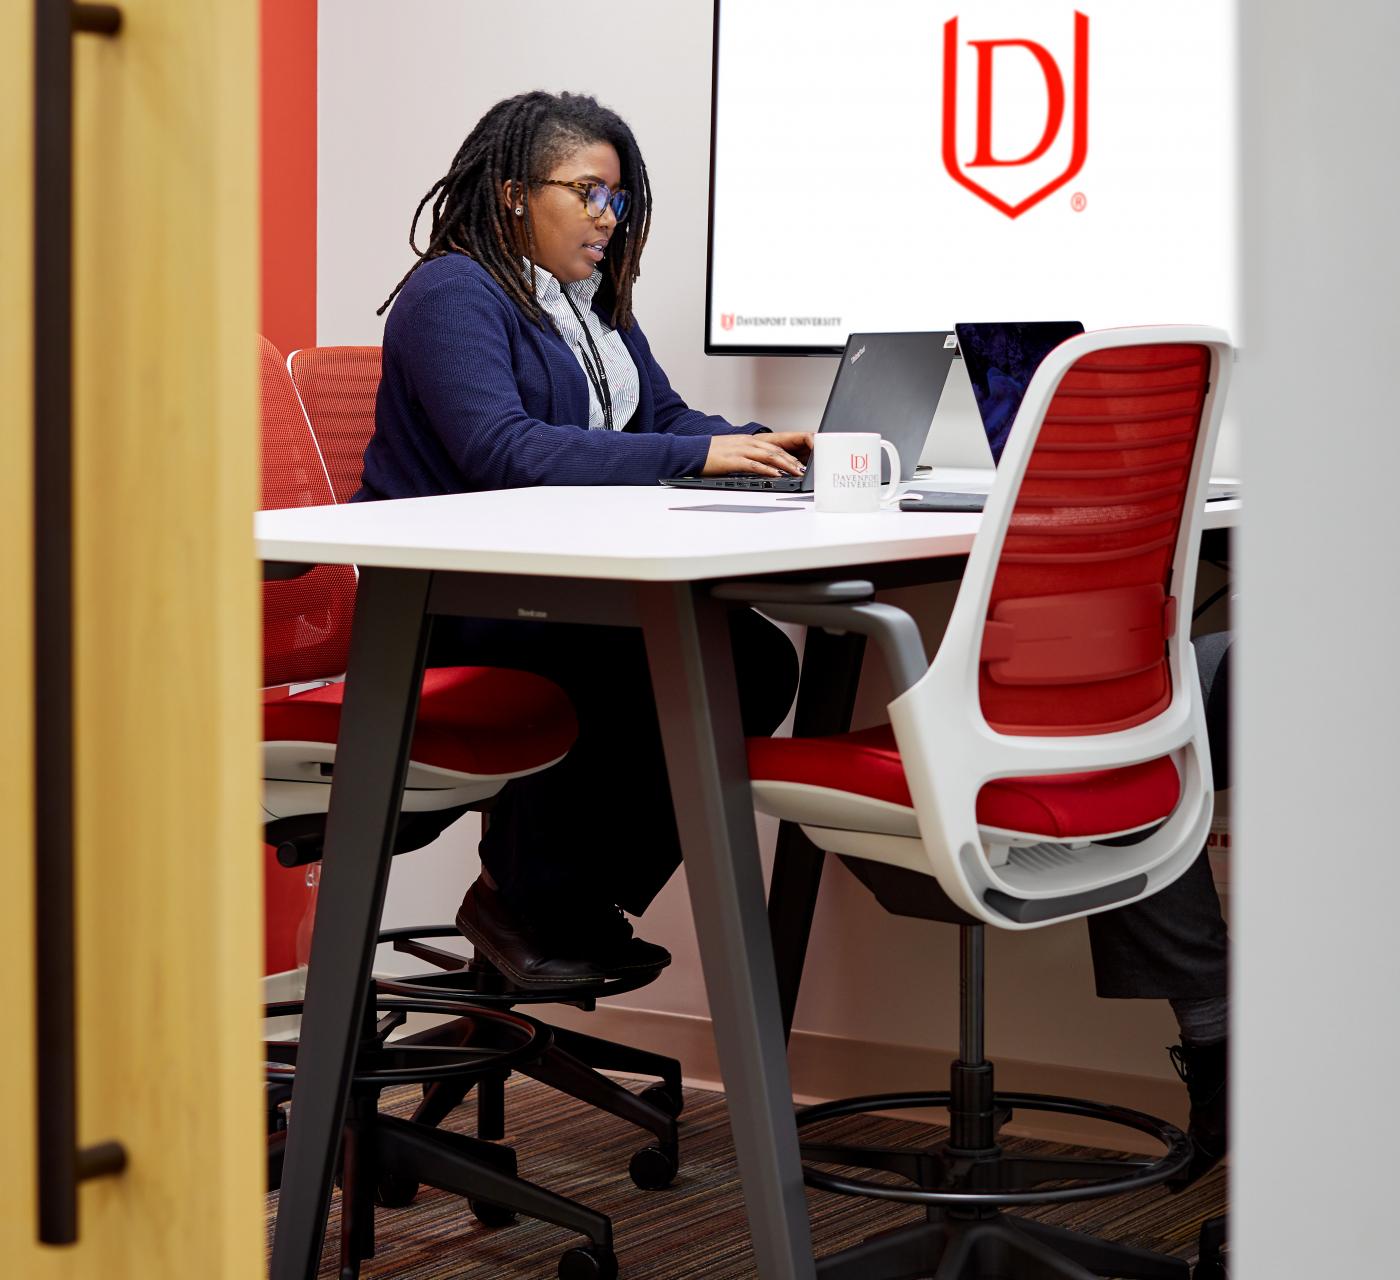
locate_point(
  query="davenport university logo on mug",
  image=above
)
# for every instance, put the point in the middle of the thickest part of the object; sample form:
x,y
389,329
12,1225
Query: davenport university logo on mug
x,y
846,471
857,473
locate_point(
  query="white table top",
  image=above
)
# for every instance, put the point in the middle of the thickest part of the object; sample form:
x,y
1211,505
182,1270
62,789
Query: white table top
x,y
641,533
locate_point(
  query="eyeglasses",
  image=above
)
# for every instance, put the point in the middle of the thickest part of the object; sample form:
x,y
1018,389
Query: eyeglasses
x,y
596,197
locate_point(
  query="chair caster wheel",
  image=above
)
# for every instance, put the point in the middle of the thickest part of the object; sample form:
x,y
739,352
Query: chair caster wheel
x,y
1210,1269
588,1263
664,1098
491,1215
653,1168
395,1191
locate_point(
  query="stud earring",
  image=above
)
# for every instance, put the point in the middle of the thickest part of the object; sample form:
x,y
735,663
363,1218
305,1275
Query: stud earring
x,y
520,211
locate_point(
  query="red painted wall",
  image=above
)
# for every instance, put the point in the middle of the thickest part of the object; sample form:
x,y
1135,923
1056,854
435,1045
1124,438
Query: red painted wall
x,y
289,173
288,162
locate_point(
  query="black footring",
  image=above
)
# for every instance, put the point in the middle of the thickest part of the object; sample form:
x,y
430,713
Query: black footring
x,y
997,1181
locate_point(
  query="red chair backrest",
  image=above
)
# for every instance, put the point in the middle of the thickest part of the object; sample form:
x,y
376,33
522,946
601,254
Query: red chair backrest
x,y
306,620
338,386
1081,604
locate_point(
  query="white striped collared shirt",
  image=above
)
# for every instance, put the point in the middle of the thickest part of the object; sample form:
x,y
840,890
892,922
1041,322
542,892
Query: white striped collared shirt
x,y
623,385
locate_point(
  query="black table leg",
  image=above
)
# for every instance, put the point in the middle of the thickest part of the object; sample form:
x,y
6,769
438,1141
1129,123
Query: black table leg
x,y
826,700
692,672
387,648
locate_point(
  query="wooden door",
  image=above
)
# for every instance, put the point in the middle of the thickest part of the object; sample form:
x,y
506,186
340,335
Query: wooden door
x,y
165,606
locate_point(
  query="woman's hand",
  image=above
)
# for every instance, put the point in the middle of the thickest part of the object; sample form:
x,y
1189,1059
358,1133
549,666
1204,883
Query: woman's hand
x,y
767,454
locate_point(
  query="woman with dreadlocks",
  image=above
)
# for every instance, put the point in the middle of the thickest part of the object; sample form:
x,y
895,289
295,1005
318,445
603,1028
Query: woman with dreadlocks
x,y
512,358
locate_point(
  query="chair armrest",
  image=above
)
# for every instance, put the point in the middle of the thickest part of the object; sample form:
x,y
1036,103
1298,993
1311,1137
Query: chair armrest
x,y
850,591
282,570
841,607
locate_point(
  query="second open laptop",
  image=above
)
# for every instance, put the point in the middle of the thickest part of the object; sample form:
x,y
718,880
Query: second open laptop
x,y
886,382
1000,360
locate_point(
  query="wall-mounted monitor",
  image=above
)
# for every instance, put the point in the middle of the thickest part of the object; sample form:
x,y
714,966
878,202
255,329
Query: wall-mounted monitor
x,y
907,164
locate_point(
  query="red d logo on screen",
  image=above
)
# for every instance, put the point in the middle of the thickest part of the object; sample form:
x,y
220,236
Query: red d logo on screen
x,y
983,157
726,320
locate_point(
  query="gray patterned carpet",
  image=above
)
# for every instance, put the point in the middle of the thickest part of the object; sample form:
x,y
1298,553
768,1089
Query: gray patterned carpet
x,y
696,1228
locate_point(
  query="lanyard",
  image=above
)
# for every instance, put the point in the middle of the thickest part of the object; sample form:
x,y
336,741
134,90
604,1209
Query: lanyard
x,y
597,375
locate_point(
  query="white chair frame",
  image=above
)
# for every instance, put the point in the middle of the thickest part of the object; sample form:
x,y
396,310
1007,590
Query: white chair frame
x,y
950,752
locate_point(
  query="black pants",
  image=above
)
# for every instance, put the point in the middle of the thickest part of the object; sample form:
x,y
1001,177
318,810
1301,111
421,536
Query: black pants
x,y
599,827
1174,945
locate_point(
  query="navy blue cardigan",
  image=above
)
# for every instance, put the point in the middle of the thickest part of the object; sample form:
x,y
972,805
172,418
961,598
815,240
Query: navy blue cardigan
x,y
473,396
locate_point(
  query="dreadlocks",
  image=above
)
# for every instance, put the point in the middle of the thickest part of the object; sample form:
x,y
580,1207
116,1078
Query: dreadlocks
x,y
517,141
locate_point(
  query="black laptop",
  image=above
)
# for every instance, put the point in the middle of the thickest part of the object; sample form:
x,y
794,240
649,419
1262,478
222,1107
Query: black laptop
x,y
886,382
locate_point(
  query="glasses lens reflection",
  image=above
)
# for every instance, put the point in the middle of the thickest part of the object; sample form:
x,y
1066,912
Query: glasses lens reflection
x,y
600,198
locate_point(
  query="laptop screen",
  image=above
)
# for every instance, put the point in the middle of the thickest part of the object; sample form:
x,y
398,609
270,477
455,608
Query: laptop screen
x,y
890,383
1000,360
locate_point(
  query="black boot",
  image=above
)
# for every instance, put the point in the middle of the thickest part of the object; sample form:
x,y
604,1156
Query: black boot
x,y
1205,1070
597,929
619,950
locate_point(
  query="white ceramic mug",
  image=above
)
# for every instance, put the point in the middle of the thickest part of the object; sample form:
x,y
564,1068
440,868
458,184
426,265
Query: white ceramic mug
x,y
847,465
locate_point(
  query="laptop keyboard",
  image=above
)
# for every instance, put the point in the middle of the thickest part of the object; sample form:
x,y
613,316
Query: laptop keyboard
x,y
740,480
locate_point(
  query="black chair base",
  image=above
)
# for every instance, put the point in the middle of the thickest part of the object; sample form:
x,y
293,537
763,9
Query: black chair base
x,y
952,1247
573,1063
385,1159
981,1176
965,1190
1211,1258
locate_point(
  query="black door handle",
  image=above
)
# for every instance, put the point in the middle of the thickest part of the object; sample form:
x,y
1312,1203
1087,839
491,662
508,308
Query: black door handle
x,y
62,1163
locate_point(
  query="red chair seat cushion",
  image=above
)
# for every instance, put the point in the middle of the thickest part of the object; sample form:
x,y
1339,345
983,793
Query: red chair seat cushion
x,y
1063,806
477,720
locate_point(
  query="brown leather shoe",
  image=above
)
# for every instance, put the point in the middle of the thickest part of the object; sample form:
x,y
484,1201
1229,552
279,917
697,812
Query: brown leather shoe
x,y
585,945
508,942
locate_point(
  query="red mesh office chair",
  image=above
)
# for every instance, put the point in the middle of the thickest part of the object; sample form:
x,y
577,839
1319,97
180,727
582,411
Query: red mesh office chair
x,y
337,386
477,727
1051,762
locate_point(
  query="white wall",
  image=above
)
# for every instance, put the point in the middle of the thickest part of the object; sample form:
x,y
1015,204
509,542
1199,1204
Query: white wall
x,y
400,86
1318,881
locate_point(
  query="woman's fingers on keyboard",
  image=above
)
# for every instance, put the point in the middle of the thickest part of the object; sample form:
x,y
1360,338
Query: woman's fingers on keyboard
x,y
753,455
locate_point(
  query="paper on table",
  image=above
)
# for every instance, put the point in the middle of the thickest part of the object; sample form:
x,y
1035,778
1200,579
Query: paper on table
x,y
725,506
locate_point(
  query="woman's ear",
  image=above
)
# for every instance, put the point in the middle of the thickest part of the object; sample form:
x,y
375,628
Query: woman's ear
x,y
513,194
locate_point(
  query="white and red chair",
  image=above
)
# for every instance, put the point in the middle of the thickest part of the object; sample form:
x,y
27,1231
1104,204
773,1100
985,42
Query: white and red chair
x,y
477,727
337,387
1050,762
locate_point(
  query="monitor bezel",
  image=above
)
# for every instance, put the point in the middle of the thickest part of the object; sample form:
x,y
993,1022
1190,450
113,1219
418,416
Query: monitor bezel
x,y
713,348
